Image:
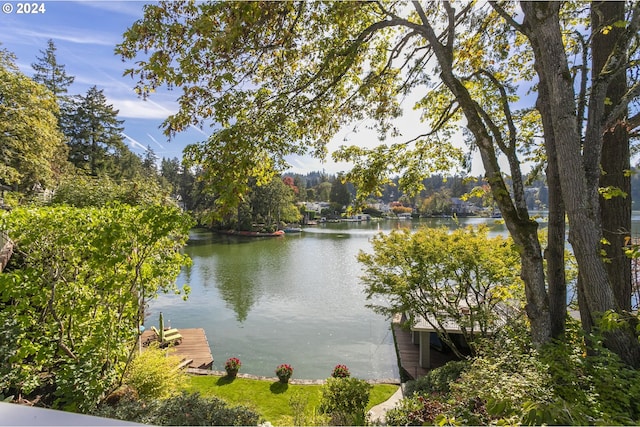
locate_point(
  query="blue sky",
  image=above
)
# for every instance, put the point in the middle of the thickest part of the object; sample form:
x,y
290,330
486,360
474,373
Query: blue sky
x,y
86,33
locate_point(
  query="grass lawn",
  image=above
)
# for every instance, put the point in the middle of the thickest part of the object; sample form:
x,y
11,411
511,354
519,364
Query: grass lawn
x,y
271,399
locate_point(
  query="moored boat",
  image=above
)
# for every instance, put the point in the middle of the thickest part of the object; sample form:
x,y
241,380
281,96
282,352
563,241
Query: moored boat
x,y
252,233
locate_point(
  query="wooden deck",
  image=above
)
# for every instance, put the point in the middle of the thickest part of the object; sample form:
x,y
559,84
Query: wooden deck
x,y
194,347
409,354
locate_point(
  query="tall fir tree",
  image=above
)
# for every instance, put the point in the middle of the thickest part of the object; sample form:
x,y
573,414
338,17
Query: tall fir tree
x,y
150,162
52,74
95,133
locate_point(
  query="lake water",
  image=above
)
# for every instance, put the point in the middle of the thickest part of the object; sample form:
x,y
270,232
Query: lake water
x,y
294,299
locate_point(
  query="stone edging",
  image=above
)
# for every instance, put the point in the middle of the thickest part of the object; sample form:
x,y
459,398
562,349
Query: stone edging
x,y
196,371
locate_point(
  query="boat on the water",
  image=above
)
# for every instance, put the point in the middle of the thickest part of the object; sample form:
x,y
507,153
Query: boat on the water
x,y
252,233
292,230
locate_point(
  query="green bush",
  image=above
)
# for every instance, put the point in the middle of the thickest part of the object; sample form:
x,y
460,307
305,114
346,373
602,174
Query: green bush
x,y
154,374
512,383
598,388
181,410
301,415
345,400
84,191
437,380
415,411
506,377
73,289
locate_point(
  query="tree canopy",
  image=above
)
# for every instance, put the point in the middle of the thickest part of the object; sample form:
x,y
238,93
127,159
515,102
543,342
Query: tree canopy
x,y
441,276
50,73
31,145
280,79
71,296
94,132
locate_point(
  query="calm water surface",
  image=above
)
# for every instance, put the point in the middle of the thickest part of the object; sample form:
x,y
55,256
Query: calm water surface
x,y
295,299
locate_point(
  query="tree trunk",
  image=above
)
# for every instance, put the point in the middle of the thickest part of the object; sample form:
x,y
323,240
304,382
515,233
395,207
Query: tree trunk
x,y
616,212
554,254
542,26
522,228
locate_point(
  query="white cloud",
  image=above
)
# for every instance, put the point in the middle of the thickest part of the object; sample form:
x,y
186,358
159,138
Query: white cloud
x,y
134,143
155,140
140,109
78,37
129,8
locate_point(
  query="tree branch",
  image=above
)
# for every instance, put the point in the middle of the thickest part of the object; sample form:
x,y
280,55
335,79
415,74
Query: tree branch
x,y
618,110
503,13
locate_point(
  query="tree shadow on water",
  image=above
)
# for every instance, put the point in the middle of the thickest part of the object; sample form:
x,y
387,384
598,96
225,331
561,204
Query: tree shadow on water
x,y
278,387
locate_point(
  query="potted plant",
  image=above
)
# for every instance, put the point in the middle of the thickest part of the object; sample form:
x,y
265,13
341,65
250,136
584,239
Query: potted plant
x,y
284,372
341,371
232,366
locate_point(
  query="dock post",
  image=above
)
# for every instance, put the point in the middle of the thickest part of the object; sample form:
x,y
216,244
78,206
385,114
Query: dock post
x,y
425,349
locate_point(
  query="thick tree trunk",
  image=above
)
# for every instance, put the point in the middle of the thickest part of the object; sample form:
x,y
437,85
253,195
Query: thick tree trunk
x,y
541,25
616,212
554,254
522,228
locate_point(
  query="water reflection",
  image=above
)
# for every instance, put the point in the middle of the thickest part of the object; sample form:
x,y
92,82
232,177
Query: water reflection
x,y
296,299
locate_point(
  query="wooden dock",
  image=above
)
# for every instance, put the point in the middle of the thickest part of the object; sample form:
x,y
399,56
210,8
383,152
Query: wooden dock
x,y
194,347
409,354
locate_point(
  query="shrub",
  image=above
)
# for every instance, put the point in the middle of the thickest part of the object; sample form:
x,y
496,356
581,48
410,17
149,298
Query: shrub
x,y
595,388
181,410
437,380
91,257
345,400
415,411
82,191
154,374
506,380
302,416
298,404
124,392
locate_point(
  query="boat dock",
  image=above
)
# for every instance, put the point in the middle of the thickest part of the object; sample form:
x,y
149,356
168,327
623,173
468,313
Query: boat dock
x,y
194,347
409,353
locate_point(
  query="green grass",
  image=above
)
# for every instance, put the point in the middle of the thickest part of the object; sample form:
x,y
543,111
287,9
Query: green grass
x,y
271,399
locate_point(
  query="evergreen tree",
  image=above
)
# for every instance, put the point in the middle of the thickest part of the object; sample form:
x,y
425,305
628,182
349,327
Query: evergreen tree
x,y
170,170
150,162
339,192
94,132
50,73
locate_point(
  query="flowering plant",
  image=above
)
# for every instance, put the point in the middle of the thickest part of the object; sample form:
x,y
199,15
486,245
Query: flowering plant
x,y
341,371
284,370
233,364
